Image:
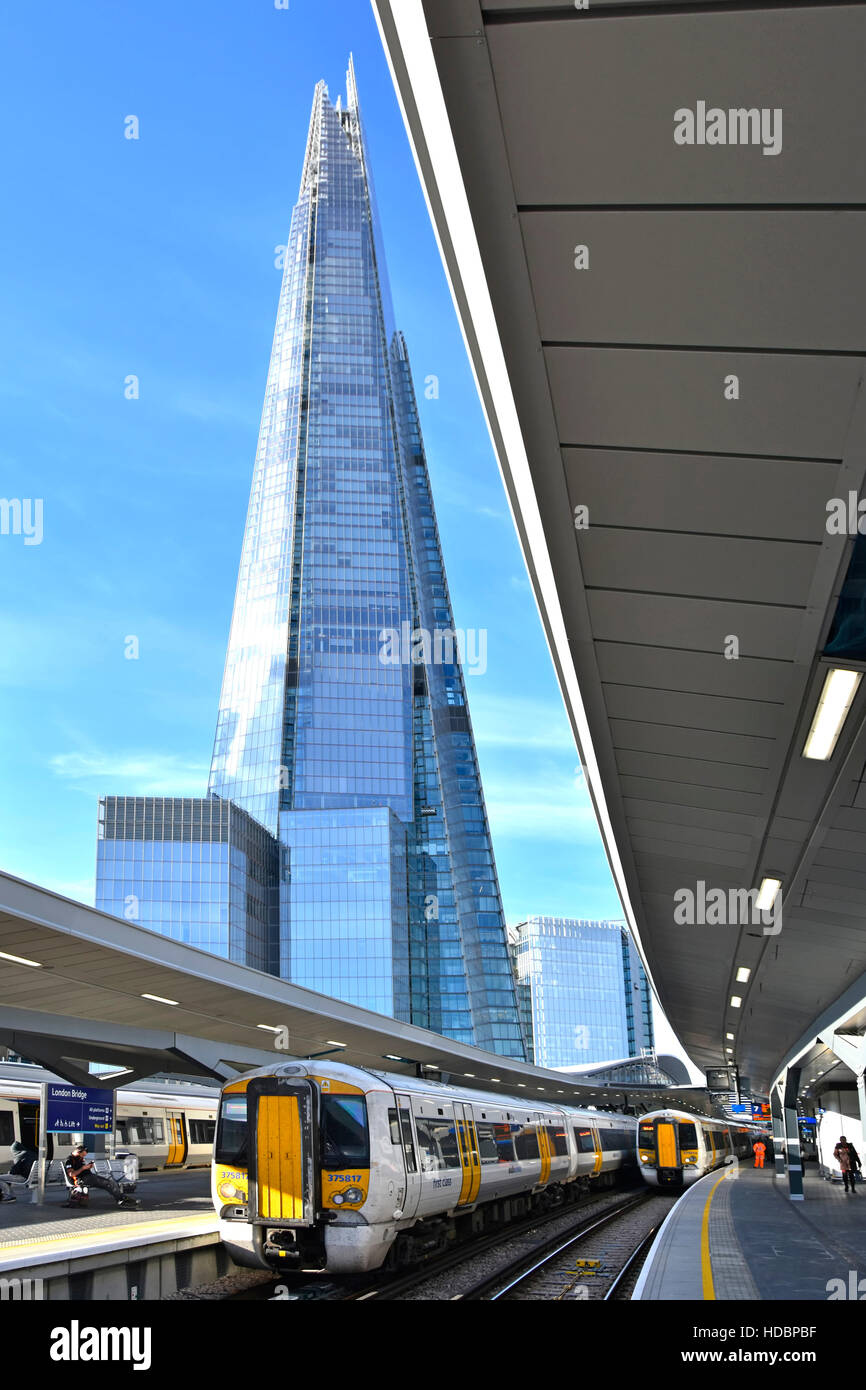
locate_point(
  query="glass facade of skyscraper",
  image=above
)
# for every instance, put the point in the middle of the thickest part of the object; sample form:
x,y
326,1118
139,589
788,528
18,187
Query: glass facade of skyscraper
x,y
199,870
586,990
341,730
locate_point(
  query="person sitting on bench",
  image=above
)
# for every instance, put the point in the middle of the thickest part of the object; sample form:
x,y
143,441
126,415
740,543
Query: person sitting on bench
x,y
23,1159
81,1174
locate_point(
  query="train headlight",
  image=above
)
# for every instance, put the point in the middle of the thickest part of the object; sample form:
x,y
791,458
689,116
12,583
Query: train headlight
x,y
229,1192
338,1199
354,1194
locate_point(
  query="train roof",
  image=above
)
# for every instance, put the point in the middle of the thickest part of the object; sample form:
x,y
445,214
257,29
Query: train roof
x,y
362,1076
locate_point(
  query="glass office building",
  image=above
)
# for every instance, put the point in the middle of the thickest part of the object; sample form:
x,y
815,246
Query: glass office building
x,y
585,989
343,728
199,870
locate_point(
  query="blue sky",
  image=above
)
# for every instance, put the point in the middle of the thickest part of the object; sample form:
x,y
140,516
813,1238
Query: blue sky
x,y
155,257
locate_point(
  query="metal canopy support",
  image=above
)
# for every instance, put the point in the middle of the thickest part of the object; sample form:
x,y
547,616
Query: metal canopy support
x,y
66,1046
792,1134
850,1048
778,1132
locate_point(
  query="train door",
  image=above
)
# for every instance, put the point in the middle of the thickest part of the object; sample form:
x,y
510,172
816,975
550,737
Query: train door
x,y
467,1147
28,1123
283,1155
410,1157
177,1141
667,1155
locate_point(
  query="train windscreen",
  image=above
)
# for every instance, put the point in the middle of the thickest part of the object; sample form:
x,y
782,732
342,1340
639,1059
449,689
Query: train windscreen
x,y
345,1141
232,1132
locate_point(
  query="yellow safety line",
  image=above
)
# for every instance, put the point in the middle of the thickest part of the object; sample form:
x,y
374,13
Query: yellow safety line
x,y
109,1232
706,1267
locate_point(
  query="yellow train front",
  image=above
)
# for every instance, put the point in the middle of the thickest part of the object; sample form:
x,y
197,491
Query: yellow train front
x,y
675,1148
327,1166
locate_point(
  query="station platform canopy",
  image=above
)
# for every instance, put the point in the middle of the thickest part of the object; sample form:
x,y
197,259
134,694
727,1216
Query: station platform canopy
x,y
653,235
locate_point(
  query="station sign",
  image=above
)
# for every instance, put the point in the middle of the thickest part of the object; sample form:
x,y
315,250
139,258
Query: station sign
x,y
77,1109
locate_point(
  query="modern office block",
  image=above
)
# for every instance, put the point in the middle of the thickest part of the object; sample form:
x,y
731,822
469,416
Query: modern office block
x,y
197,869
585,989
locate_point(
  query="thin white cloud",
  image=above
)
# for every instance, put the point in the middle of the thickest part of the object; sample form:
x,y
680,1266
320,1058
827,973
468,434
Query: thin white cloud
x,y
514,722
133,774
530,818
81,890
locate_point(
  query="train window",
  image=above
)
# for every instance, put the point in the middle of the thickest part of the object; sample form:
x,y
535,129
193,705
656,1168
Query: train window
x,y
525,1141
437,1142
585,1141
7,1127
558,1141
494,1143
394,1125
688,1136
140,1129
345,1142
201,1131
233,1132
408,1141
646,1137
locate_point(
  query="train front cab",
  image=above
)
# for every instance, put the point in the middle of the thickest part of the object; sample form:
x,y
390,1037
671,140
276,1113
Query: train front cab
x,y
291,1170
668,1153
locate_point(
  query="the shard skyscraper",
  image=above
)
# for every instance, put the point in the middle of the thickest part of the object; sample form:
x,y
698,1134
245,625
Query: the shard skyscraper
x,y
343,729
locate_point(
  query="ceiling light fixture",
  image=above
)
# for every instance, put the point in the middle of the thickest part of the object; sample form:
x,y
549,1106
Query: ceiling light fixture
x,y
767,895
21,960
840,687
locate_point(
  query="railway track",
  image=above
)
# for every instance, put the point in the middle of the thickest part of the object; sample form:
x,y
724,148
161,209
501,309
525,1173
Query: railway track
x,y
597,1262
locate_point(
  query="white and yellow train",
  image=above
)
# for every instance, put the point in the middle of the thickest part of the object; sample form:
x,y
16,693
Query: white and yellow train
x,y
675,1148
167,1127
321,1165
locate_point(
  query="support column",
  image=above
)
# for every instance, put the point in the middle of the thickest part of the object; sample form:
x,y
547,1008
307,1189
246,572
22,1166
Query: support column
x,y
778,1132
792,1135
861,1101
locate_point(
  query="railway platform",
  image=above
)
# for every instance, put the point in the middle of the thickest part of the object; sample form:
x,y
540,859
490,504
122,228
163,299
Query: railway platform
x,y
106,1252
743,1238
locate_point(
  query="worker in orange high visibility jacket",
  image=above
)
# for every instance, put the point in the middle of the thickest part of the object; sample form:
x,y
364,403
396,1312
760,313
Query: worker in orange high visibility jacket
x,y
759,1148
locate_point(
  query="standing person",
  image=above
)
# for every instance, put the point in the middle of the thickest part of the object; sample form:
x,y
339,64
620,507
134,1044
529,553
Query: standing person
x,y
849,1161
81,1172
759,1148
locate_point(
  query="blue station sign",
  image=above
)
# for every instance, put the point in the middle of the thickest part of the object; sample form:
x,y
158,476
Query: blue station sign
x,y
77,1109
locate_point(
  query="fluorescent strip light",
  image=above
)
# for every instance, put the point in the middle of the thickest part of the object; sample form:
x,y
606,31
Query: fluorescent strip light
x,y
767,895
736,1003
21,960
158,999
730,1036
840,687
743,974
332,1042
269,1027
390,1057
